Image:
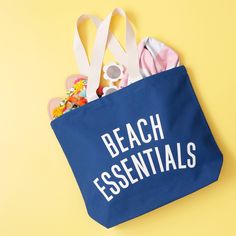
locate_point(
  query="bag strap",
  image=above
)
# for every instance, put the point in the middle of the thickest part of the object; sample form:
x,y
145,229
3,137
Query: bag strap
x,y
99,50
80,52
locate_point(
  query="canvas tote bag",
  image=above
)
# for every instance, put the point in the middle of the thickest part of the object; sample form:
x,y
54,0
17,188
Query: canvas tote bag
x,y
141,147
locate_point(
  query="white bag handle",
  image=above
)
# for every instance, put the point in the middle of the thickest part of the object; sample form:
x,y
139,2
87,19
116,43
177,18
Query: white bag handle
x,y
80,52
99,50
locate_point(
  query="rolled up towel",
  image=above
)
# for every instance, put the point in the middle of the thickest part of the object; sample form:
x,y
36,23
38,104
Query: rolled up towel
x,y
154,57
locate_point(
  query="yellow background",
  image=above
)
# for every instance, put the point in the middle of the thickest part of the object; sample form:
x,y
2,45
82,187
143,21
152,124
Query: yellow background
x,y
38,193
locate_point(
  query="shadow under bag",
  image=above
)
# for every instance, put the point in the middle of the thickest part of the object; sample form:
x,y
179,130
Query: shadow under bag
x,y
141,147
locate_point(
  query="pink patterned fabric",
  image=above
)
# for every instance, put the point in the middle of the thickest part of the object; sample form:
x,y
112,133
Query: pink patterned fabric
x,y
154,57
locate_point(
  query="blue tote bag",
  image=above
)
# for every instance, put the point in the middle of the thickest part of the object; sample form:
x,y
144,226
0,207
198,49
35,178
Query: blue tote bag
x,y
141,147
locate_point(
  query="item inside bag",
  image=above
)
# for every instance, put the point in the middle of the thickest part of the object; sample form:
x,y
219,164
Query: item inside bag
x,y
75,97
154,57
